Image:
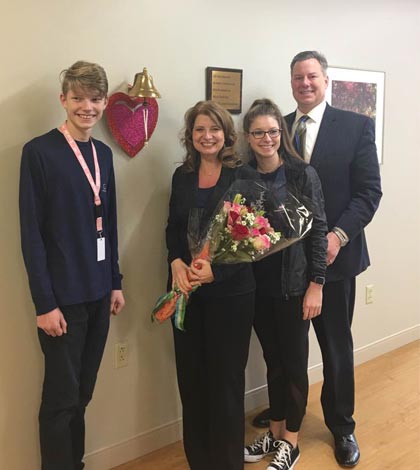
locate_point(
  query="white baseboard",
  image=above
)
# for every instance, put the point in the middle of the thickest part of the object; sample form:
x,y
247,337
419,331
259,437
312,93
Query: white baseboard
x,y
372,350
135,447
256,398
166,434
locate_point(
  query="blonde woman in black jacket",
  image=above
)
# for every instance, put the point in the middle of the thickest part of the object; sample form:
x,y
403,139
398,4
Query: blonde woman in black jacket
x,y
212,352
289,286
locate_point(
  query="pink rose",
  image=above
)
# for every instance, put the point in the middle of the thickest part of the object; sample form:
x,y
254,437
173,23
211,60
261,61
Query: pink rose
x,y
261,243
261,221
227,206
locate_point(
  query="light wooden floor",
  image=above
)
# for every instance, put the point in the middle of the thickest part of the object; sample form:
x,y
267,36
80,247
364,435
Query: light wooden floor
x,y
387,416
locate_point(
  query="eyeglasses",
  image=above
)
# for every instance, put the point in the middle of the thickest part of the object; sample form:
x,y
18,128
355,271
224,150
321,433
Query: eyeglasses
x,y
261,134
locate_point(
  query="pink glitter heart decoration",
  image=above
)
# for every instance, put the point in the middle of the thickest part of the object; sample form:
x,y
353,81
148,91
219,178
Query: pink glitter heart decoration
x,y
126,120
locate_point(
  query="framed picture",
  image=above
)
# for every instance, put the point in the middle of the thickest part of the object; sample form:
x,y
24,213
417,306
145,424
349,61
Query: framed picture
x,y
361,91
225,87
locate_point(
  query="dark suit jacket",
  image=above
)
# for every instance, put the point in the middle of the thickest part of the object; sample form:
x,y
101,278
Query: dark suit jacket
x,y
229,279
345,159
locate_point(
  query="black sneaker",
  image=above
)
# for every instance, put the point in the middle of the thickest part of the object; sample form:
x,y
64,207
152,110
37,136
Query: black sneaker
x,y
262,446
286,456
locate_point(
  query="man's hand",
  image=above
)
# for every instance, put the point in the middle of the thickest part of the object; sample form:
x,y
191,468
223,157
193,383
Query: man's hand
x,y
333,247
117,302
52,323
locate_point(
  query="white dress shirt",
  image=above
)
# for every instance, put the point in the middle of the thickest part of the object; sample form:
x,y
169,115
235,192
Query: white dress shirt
x,y
312,127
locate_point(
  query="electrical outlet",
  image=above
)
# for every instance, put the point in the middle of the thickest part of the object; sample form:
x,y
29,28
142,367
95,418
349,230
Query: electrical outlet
x,y
369,294
121,355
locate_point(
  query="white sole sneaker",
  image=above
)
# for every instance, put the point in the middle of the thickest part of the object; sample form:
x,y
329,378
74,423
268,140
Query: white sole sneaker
x,y
290,468
253,458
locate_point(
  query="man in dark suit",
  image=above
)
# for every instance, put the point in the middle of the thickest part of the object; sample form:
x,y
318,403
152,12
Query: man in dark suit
x,y
340,145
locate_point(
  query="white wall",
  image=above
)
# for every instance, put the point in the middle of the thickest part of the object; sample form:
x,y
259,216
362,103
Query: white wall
x,y
136,407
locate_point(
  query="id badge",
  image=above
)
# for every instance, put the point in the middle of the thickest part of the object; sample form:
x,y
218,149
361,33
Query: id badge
x,y
101,248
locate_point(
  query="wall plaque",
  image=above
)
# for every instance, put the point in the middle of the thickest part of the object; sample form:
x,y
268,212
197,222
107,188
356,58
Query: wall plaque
x,y
225,87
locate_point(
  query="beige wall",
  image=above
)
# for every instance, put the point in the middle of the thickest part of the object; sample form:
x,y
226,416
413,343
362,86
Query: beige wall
x,y
137,406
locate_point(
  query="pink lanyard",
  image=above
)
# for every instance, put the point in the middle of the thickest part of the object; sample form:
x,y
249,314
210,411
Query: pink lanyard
x,y
95,185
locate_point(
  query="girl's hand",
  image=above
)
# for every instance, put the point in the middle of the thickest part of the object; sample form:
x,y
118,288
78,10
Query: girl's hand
x,y
312,302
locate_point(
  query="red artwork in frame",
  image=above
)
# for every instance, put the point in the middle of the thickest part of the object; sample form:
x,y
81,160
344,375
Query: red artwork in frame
x,y
360,91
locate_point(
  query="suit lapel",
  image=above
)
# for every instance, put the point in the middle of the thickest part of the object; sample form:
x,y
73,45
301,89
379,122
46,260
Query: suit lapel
x,y
324,134
290,119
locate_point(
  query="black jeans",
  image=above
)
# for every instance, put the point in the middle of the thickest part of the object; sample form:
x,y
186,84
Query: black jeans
x,y
71,366
211,356
283,335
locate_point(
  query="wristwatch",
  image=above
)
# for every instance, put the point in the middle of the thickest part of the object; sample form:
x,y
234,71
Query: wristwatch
x,y
341,235
319,280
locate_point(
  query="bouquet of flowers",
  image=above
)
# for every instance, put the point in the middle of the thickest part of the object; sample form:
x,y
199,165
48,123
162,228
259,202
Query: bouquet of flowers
x,y
239,232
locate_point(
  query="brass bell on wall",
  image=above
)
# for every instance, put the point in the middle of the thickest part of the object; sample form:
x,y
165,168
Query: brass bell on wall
x,y
132,114
143,86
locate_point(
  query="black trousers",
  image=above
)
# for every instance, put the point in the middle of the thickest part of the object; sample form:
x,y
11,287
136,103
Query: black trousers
x,y
211,356
283,335
71,366
333,331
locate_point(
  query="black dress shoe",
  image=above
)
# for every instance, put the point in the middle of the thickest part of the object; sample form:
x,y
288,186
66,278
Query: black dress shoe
x,y
262,420
347,451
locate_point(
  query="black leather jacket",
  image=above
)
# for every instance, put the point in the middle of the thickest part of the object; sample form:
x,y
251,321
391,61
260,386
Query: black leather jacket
x,y
306,259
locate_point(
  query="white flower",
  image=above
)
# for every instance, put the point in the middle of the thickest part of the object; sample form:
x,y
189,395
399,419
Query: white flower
x,y
274,236
249,217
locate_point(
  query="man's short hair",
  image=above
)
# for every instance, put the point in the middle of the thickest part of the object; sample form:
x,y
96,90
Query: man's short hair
x,y
305,55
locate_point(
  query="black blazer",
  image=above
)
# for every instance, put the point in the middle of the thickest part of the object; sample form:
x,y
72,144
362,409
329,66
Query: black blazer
x,y
345,159
229,279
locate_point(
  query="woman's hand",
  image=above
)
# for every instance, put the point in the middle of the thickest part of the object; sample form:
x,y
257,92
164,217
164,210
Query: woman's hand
x,y
201,269
312,302
182,277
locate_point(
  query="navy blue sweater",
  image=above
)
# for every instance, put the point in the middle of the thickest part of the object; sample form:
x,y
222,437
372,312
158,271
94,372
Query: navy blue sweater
x,y
58,230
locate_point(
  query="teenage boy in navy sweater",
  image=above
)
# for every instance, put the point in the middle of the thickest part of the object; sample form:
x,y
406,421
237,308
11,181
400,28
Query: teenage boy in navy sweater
x,y
69,241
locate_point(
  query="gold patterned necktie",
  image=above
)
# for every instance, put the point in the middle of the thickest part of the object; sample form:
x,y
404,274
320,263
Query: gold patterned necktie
x,y
300,135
